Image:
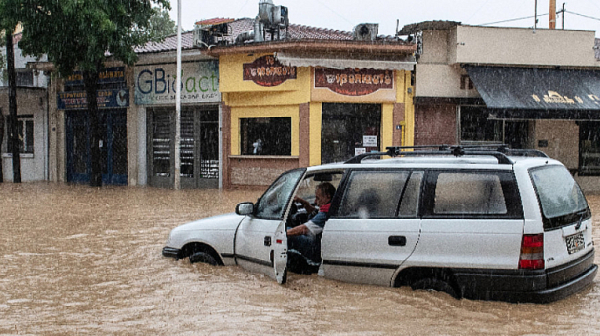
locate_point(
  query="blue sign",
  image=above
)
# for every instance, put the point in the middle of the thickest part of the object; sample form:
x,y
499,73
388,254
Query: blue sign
x,y
77,100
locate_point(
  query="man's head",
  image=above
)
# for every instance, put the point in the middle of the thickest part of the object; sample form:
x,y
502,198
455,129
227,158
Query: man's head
x,y
324,193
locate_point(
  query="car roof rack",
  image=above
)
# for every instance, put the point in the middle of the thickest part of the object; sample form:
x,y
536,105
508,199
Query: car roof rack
x,y
500,152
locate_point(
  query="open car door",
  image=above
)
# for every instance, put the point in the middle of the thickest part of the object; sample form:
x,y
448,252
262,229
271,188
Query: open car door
x,y
280,254
261,244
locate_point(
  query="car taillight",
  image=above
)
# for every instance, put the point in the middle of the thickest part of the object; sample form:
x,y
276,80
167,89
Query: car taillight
x,y
532,252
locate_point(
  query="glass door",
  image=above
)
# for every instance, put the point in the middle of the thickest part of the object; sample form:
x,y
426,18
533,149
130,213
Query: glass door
x,y
349,130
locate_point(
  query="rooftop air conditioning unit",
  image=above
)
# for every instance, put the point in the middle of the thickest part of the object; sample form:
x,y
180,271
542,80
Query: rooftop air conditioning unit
x,y
265,11
200,37
366,32
272,16
208,35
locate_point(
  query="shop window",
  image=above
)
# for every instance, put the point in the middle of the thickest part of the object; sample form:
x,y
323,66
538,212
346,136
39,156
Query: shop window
x,y
161,144
466,83
198,147
186,145
349,130
24,77
475,125
589,148
25,130
266,136
477,128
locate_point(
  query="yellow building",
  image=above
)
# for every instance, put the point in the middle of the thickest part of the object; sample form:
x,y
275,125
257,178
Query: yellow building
x,y
303,102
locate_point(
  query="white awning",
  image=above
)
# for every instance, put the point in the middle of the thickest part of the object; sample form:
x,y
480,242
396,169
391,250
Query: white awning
x,y
406,63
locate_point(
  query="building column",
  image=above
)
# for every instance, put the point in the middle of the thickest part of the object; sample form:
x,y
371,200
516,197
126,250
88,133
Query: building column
x,y
316,121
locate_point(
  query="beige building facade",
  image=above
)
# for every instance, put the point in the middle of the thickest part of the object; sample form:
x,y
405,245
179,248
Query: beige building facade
x,y
527,88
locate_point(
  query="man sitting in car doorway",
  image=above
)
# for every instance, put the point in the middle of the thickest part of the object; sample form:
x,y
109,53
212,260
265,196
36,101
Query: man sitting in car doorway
x,y
304,241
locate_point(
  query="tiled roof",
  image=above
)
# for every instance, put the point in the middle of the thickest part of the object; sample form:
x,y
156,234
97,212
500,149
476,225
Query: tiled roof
x,y
215,21
295,32
169,44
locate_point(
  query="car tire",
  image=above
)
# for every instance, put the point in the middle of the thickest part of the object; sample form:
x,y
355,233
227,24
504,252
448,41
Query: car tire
x,y
436,285
203,257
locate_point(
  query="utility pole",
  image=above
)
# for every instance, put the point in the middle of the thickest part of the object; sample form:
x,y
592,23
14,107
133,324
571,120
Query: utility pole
x,y
552,17
13,129
177,177
563,16
535,17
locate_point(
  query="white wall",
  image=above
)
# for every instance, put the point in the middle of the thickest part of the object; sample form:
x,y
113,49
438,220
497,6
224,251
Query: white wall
x,y
33,166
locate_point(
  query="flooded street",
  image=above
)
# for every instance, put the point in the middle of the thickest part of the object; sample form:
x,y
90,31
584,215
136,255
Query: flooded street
x,y
77,260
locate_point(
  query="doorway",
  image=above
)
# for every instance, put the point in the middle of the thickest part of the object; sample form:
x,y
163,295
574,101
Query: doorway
x,y
199,147
349,130
113,146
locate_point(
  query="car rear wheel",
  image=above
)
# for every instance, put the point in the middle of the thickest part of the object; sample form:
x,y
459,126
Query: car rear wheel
x,y
435,284
203,257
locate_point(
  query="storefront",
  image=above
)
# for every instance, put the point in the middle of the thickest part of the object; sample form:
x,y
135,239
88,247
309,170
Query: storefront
x,y
287,110
534,103
200,100
113,101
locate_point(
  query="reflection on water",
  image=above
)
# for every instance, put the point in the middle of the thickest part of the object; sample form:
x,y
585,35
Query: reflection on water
x,y
80,260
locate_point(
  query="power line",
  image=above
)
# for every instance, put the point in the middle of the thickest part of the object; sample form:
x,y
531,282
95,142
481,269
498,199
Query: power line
x,y
510,20
238,13
585,16
322,3
477,11
540,15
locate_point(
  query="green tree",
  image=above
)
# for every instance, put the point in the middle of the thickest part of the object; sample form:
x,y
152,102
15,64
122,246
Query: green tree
x,y
83,35
162,26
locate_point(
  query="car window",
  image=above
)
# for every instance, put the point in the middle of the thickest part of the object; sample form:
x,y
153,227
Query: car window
x,y
558,194
372,194
411,195
306,188
272,203
469,193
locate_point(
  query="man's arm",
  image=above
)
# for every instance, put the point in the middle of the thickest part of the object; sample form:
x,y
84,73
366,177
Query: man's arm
x,y
297,231
307,206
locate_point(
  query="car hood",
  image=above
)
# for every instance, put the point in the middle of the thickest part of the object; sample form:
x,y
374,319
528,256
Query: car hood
x,y
228,221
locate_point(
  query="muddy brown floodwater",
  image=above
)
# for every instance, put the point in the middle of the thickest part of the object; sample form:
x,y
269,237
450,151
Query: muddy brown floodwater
x,y
79,260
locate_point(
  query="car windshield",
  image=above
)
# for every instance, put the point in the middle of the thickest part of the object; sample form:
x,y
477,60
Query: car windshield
x,y
271,204
557,191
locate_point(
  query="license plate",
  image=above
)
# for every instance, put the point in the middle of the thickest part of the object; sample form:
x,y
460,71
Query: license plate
x,y
575,242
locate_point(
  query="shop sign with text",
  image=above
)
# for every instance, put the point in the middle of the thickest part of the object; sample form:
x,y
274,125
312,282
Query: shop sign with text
x,y
156,84
354,82
77,100
106,76
267,71
553,97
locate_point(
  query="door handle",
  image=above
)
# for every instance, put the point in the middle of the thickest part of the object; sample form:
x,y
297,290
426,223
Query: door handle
x,y
397,240
267,240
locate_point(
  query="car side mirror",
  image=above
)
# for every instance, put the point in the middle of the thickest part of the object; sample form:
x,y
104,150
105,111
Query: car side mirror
x,y
243,209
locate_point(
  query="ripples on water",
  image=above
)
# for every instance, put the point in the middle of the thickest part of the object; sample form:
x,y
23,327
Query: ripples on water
x,y
81,260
